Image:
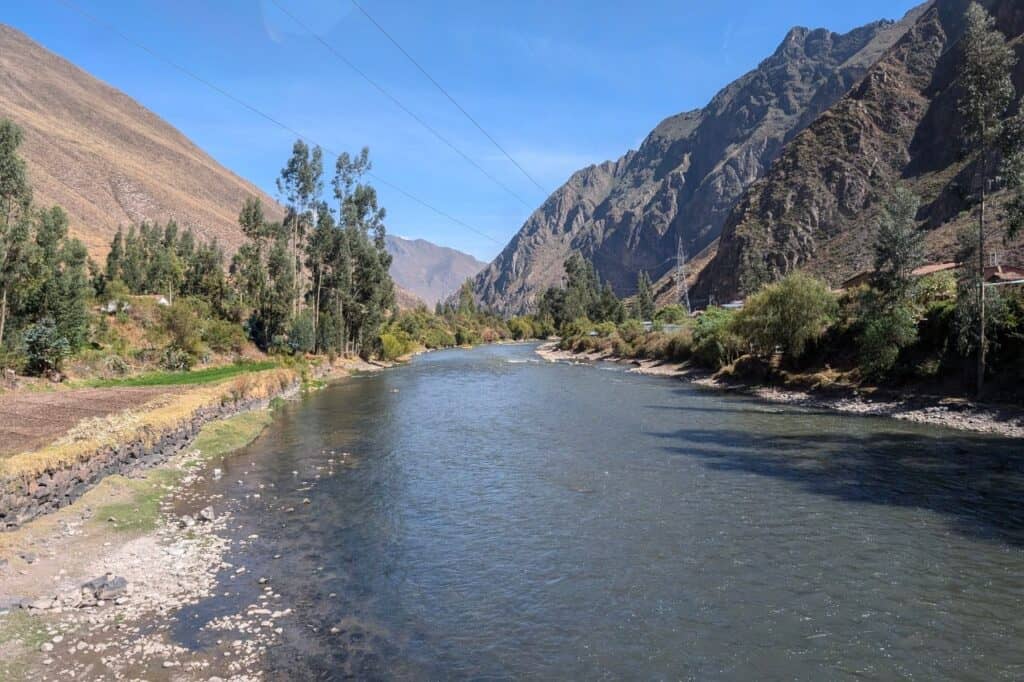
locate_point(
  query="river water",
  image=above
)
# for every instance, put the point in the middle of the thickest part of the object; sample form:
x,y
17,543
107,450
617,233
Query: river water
x,y
498,517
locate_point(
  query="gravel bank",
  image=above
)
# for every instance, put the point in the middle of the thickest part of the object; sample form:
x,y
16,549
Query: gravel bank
x,y
1000,420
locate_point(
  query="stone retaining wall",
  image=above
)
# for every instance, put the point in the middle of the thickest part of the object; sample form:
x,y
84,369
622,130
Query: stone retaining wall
x,y
23,499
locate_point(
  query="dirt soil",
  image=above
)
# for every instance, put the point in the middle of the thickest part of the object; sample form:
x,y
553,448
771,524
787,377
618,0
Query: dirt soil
x,y
31,420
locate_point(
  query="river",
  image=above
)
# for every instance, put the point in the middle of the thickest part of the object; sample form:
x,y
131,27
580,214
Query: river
x,y
498,517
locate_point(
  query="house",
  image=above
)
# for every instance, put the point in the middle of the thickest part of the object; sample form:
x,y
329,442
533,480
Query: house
x,y
864,277
1004,274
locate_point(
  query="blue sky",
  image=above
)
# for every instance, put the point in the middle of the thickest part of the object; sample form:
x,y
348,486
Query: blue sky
x,y
559,83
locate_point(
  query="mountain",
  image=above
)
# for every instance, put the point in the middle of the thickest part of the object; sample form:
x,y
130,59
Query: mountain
x,y
627,215
106,159
428,271
900,125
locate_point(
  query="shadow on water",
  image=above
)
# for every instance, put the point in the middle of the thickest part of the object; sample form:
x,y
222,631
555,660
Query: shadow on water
x,y
977,481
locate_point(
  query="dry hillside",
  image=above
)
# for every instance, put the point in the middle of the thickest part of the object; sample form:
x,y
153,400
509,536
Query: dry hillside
x,y
107,160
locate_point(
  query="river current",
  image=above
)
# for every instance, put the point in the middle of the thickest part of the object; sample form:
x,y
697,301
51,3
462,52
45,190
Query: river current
x,y
486,515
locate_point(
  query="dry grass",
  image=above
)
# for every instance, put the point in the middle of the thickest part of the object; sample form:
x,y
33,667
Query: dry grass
x,y
107,160
147,423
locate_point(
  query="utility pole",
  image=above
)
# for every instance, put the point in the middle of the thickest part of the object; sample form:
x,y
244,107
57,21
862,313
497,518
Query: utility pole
x,y
682,290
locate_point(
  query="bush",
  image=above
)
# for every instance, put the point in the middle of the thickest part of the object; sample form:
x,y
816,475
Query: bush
x,y
521,328
301,337
181,321
787,315
392,347
885,334
671,314
680,346
115,366
631,330
438,338
176,359
223,336
45,348
715,343
577,327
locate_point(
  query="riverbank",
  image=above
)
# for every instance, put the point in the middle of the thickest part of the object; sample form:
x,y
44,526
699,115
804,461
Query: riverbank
x,y
92,589
937,410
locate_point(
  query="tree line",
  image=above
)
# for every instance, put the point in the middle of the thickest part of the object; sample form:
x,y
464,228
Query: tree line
x,y
315,282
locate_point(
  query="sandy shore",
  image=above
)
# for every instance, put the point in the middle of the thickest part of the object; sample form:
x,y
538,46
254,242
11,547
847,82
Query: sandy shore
x,y
951,413
85,594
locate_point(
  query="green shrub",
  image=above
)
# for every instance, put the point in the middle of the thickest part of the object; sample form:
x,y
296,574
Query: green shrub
x,y
438,338
521,328
715,343
45,348
631,330
680,346
788,315
176,359
223,336
578,327
671,314
181,322
885,334
392,347
301,337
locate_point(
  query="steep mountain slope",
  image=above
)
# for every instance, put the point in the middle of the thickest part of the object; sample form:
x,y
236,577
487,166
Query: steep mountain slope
x,y
815,208
627,215
428,271
107,160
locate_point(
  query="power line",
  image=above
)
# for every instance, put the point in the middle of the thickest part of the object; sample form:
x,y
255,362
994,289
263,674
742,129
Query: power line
x,y
221,91
381,89
446,94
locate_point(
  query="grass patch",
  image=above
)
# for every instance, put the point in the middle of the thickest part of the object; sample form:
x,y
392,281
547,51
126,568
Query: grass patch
x,y
201,376
220,438
140,512
20,635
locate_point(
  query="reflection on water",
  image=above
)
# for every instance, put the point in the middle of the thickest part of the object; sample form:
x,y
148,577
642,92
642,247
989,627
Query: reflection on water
x,y
498,518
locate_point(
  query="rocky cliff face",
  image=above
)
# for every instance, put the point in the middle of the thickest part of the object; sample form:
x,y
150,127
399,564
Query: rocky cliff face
x,y
816,207
107,160
681,183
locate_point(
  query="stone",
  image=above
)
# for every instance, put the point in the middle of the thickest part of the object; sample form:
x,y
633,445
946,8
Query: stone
x,y
106,587
207,514
186,521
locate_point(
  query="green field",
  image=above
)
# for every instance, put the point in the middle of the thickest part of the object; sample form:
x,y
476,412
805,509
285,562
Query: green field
x,y
202,376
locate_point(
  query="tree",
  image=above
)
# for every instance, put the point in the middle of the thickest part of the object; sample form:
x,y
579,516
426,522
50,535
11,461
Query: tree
x,y
898,247
15,201
644,303
301,184
467,302
115,256
786,315
890,321
986,83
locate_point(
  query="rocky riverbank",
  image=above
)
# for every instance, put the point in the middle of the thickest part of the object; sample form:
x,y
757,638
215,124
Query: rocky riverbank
x,y
938,410
95,589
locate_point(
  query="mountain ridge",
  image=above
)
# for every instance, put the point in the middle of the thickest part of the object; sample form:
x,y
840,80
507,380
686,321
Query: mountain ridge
x,y
107,160
627,215
814,210
427,270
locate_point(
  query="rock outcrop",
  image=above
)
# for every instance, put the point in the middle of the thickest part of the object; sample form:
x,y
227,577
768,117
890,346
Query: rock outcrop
x,y
682,182
815,209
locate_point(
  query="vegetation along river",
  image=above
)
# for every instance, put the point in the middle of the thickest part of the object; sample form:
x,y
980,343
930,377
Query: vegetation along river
x,y
500,517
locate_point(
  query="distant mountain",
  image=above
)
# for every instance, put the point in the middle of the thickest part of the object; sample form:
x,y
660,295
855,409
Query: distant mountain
x,y
627,215
428,271
107,160
815,209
